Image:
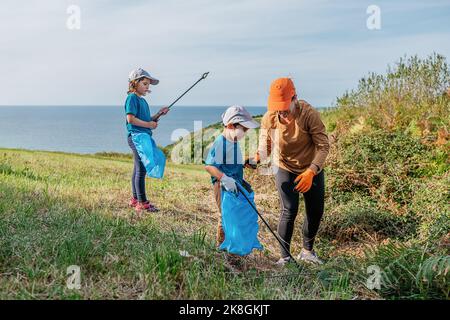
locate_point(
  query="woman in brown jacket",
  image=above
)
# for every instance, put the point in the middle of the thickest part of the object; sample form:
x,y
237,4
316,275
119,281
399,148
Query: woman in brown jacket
x,y
292,131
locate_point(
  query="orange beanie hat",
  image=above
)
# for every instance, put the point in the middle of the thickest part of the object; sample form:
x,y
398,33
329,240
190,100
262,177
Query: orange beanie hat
x,y
280,95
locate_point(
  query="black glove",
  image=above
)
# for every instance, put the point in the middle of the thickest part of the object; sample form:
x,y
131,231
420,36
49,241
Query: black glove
x,y
250,163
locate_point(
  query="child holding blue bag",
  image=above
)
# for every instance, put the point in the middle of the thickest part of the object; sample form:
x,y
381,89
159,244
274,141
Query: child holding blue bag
x,y
237,228
148,159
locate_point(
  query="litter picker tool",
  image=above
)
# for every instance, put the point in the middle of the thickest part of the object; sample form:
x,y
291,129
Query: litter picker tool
x,y
280,241
156,118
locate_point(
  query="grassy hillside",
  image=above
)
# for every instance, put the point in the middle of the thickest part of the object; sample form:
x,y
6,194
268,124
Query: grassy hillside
x,y
60,209
387,206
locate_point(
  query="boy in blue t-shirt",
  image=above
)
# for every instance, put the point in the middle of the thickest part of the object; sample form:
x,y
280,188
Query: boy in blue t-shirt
x,y
224,161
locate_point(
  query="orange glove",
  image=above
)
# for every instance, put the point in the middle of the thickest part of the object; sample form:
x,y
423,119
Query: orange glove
x,y
304,181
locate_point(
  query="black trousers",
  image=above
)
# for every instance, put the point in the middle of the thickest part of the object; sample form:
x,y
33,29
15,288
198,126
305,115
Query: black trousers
x,y
289,200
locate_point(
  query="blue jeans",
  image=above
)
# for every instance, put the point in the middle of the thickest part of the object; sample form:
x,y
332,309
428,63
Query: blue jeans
x,y
138,177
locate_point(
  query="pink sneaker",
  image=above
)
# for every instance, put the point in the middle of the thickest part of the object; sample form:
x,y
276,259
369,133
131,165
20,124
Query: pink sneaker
x,y
145,206
133,202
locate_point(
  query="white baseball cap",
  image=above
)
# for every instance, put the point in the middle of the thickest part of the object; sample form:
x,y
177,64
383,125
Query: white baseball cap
x,y
238,114
141,73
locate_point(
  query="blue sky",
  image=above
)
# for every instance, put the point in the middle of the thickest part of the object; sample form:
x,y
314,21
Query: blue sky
x,y
324,46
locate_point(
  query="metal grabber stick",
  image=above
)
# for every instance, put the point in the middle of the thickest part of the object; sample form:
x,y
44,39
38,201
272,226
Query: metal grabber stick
x,y
280,241
156,118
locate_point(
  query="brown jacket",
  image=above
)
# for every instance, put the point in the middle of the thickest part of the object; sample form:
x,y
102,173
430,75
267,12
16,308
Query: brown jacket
x,y
297,146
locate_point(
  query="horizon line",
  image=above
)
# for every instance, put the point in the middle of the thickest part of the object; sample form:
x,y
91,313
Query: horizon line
x,y
112,105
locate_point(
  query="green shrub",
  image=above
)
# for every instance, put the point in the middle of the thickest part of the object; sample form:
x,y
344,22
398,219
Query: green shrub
x,y
362,219
411,90
430,203
410,272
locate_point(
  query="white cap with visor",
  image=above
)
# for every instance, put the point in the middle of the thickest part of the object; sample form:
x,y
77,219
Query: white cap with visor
x,y
238,114
141,73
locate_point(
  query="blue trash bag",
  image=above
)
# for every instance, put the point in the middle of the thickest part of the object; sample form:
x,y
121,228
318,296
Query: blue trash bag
x,y
151,156
240,223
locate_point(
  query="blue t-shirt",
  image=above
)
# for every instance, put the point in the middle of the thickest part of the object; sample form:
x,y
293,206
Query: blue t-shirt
x,y
227,157
138,107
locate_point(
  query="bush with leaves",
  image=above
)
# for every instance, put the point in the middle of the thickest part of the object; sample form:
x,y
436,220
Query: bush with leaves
x,y
411,95
410,271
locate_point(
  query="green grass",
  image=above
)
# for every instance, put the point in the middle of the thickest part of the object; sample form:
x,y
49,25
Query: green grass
x,y
59,210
